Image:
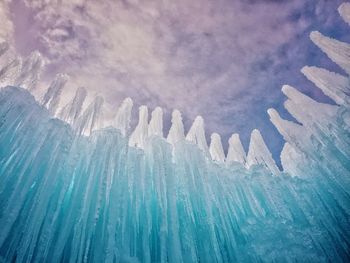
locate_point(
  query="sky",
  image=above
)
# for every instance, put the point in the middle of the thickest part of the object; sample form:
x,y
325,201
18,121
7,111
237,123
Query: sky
x,y
225,60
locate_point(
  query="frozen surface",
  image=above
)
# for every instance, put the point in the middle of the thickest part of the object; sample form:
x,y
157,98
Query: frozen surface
x,y
71,191
236,152
65,197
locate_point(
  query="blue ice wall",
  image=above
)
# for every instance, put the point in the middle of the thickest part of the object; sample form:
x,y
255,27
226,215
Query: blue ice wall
x,y
73,191
71,198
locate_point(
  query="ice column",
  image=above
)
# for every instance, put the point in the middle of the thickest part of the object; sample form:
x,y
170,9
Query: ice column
x,y
155,127
176,132
259,153
235,152
52,96
122,119
333,85
336,50
140,134
30,71
196,134
72,110
216,150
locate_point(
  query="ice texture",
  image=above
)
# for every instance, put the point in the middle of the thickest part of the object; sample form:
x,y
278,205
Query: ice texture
x,y
236,152
66,197
333,85
337,51
140,134
123,117
155,127
215,149
259,154
177,131
196,134
72,110
72,191
344,11
30,71
52,96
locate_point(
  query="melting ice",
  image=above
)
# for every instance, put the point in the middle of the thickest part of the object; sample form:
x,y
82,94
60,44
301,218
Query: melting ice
x,y
70,192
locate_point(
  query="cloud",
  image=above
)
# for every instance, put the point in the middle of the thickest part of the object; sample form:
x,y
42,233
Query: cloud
x,y
224,60
6,27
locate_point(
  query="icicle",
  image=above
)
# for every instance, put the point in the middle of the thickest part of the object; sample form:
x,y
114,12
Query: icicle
x,y
334,85
337,51
290,131
140,134
291,159
122,120
88,121
344,11
72,110
52,96
215,149
196,134
305,109
10,65
176,132
235,152
155,126
30,72
10,71
259,153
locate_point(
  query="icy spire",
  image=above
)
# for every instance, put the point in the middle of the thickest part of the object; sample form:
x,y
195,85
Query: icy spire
x,y
305,109
259,153
334,85
290,131
30,71
122,119
337,51
140,134
155,126
344,11
196,134
176,132
215,149
10,65
235,152
291,159
90,118
52,95
72,110
10,70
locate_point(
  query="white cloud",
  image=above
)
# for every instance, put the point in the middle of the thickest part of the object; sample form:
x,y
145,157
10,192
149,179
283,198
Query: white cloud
x,y
197,56
6,26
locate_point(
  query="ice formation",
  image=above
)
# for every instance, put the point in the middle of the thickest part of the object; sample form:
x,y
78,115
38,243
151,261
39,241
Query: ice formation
x,y
71,191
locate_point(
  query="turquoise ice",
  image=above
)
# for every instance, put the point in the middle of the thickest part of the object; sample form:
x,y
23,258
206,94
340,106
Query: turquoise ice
x,y
71,191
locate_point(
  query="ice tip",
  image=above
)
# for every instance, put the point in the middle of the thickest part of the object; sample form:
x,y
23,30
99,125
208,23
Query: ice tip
x,y
199,119
215,136
314,35
158,109
234,137
143,110
176,114
305,69
255,133
286,89
128,101
344,8
272,112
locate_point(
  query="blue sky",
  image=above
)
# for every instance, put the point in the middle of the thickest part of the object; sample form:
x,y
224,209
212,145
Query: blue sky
x,y
225,60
